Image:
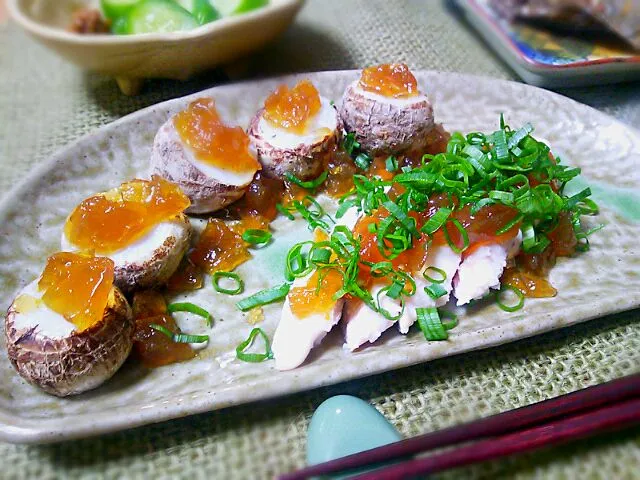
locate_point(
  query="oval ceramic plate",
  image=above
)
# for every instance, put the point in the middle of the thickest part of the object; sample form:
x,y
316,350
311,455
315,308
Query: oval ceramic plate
x,y
31,218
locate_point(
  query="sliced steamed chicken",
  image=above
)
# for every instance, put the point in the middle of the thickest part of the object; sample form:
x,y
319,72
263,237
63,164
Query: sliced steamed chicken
x,y
139,226
294,131
386,110
388,115
299,331
440,257
361,324
213,163
480,271
71,329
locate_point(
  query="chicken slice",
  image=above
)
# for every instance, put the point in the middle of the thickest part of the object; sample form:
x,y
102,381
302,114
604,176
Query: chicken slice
x,y
443,258
481,270
295,336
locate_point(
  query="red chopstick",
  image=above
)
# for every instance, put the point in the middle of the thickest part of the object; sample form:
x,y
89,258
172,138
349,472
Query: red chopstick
x,y
584,425
588,399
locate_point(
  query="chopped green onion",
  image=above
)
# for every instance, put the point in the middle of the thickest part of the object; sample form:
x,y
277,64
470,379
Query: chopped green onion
x,y
442,274
191,308
254,357
256,236
452,322
510,224
239,284
344,206
436,221
363,161
383,311
532,243
320,255
309,185
500,143
435,290
430,324
179,337
506,198
572,202
264,297
391,164
407,222
518,136
463,232
296,264
518,294
588,207
394,290
349,144
285,211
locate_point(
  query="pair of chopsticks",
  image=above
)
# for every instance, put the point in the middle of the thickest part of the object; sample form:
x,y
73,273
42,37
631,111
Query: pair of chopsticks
x,y
602,408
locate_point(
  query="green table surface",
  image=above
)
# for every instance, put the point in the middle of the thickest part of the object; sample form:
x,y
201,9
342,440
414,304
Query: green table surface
x,y
45,103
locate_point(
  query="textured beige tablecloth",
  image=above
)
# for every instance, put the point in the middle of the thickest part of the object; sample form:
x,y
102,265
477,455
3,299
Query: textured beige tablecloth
x,y
45,103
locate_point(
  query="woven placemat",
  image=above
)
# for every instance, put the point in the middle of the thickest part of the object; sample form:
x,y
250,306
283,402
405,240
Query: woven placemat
x,y
46,103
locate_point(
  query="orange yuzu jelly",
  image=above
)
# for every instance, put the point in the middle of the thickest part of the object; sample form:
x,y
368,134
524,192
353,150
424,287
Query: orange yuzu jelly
x,y
213,142
393,80
292,108
77,287
107,222
313,297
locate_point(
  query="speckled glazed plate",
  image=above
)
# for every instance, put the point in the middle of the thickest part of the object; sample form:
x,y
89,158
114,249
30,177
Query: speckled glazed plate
x,y
604,280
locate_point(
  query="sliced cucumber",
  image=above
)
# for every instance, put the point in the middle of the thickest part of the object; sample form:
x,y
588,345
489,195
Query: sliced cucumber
x,y
159,16
114,9
204,12
186,4
233,7
120,25
201,10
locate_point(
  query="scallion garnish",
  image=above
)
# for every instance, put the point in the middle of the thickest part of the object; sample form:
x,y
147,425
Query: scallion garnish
x,y
478,171
435,290
391,164
179,337
256,236
442,275
191,308
285,211
310,184
234,277
349,143
296,264
436,221
517,292
264,297
463,233
254,357
431,325
363,161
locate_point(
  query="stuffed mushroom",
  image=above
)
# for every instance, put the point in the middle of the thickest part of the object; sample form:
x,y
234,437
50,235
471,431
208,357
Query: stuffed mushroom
x,y
139,226
386,111
70,330
213,163
294,131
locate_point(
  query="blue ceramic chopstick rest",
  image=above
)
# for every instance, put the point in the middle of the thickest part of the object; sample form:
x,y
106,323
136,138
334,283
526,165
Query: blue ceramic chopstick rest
x,y
343,425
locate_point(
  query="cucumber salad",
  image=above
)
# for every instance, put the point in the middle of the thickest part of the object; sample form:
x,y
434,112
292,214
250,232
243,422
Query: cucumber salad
x,y
128,17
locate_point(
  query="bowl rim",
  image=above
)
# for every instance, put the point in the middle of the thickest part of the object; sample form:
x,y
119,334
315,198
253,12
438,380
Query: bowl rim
x,y
36,28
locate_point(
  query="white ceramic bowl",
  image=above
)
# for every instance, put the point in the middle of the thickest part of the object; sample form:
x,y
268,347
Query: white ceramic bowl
x,y
131,58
